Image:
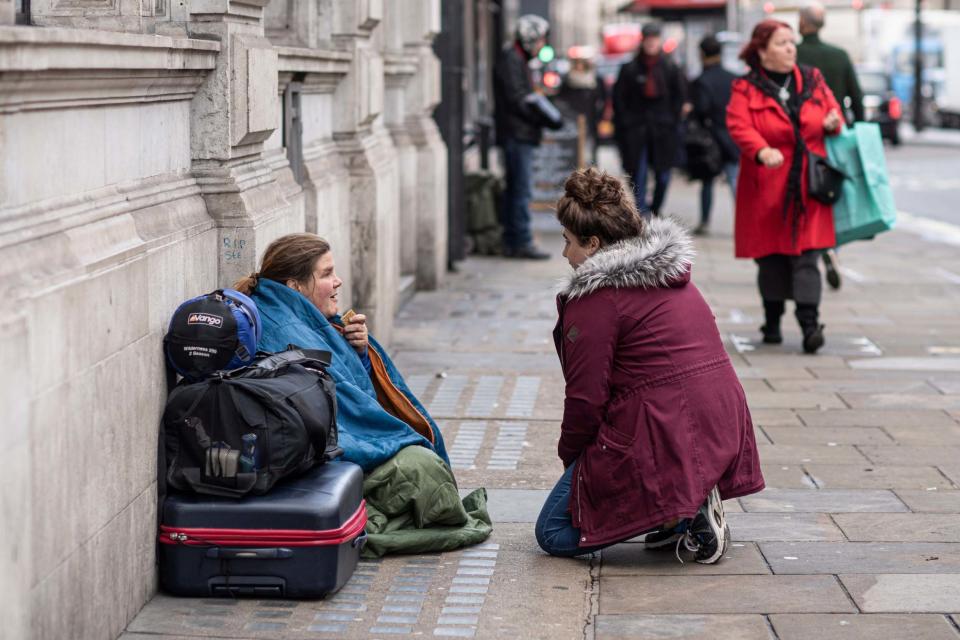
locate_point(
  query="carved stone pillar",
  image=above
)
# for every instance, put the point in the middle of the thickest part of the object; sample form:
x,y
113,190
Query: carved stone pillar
x,y
234,113
370,158
421,24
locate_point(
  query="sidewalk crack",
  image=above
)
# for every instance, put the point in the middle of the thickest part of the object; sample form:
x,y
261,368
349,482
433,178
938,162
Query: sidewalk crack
x,y
593,596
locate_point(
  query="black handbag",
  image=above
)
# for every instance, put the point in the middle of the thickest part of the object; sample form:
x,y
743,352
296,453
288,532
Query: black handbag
x,y
704,157
824,181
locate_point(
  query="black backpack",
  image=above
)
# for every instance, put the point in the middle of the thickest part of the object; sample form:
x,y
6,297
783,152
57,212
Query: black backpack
x,y
241,431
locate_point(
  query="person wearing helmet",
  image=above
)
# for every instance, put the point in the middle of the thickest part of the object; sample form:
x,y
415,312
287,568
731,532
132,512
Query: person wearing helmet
x,y
518,130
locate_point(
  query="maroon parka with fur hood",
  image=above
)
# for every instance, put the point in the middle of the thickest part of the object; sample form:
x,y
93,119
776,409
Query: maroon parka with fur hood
x,y
654,415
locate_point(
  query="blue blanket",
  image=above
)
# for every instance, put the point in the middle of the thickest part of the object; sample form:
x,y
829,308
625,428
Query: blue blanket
x,y
369,435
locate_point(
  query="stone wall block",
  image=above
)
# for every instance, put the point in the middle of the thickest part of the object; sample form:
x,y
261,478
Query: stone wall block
x,y
95,592
255,104
431,205
16,548
76,326
93,449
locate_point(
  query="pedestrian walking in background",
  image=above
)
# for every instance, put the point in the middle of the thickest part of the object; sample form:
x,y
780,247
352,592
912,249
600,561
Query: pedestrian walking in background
x,y
841,77
649,98
778,114
518,130
656,430
710,95
582,92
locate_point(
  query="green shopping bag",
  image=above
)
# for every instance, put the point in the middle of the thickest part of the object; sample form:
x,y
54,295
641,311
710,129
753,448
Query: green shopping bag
x,y
866,207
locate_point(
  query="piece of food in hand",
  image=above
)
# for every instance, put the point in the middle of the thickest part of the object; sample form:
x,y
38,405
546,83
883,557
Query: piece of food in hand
x,y
346,317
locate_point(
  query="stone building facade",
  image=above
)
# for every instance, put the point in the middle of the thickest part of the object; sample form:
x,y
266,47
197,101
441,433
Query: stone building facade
x,y
150,151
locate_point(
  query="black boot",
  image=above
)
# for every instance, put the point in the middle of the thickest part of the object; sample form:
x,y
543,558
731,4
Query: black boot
x,y
772,310
808,318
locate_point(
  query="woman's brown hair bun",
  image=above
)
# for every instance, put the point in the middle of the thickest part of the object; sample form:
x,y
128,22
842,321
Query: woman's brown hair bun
x,y
595,203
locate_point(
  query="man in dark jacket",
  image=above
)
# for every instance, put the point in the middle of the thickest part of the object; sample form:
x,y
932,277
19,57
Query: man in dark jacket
x,y
649,99
833,62
518,134
710,94
840,76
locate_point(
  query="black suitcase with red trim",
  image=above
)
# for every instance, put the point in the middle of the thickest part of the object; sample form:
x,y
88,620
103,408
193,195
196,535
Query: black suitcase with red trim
x,y
301,540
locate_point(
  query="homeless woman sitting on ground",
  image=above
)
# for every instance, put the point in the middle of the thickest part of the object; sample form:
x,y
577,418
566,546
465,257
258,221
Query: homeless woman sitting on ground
x,y
413,504
656,429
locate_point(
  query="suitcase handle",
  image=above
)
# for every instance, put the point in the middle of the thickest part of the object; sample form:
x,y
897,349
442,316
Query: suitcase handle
x,y
248,553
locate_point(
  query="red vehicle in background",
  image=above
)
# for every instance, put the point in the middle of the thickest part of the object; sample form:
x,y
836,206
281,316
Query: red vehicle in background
x,y
620,42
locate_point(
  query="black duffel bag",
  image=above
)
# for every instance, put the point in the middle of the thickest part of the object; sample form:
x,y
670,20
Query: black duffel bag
x,y
241,431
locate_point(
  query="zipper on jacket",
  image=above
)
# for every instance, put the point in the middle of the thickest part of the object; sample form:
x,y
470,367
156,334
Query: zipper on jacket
x,y
579,505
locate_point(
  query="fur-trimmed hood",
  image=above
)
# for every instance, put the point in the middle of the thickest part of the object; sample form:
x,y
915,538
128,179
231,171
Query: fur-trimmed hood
x,y
660,257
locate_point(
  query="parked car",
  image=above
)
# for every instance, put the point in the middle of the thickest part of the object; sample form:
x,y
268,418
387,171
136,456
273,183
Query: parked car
x,y
880,103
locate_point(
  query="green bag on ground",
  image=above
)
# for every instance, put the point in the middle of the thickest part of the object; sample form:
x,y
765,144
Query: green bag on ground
x,y
482,193
413,506
866,207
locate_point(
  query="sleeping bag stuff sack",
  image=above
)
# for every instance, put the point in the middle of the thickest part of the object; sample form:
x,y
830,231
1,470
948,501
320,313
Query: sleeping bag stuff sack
x,y
302,540
241,431
213,332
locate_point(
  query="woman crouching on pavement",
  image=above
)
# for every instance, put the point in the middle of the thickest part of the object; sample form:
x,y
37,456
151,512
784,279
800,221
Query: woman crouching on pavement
x,y
656,429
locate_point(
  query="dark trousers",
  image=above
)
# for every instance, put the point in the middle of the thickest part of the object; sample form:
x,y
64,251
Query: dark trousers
x,y
730,170
555,531
661,182
515,211
795,278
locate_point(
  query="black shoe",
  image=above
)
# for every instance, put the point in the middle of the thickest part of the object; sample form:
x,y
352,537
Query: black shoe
x,y
665,538
813,340
709,535
771,336
701,230
830,264
529,252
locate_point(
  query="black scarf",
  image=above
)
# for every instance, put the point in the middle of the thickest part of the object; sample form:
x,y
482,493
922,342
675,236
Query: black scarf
x,y
793,203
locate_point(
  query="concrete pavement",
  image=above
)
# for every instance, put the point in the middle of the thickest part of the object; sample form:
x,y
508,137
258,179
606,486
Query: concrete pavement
x,y
857,536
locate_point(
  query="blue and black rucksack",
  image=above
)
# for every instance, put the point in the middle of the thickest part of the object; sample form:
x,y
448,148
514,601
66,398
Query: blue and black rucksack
x,y
213,332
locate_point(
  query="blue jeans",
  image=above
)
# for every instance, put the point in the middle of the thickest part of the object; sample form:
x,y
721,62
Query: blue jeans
x,y
661,182
515,212
730,170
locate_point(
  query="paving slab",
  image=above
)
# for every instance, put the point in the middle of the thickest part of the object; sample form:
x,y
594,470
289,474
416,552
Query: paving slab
x,y
837,476
864,626
900,527
844,386
775,417
875,418
797,454
909,364
900,400
786,476
827,436
759,527
911,454
766,399
823,501
803,558
722,594
926,501
772,372
631,559
905,593
924,435
688,627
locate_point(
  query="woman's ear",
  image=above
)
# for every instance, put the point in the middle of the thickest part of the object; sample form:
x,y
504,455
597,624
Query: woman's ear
x,y
293,284
593,244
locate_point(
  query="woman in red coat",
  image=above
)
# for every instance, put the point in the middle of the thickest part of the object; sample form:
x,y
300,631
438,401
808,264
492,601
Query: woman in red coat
x,y
777,114
656,429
